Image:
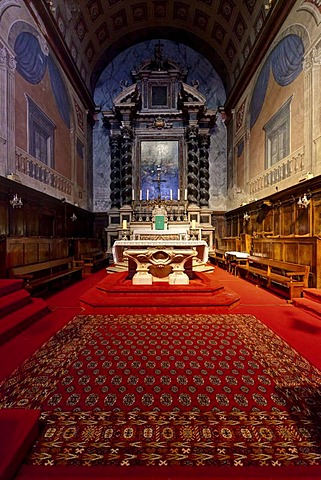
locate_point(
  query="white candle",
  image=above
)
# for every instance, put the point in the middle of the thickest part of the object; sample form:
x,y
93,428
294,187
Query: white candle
x,y
178,194
133,194
185,196
147,194
171,194
124,224
141,195
193,224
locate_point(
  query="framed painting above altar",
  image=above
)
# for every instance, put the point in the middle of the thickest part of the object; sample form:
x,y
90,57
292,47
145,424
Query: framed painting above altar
x,y
159,169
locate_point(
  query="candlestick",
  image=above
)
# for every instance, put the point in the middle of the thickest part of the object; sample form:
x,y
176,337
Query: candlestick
x,y
178,195
124,224
171,194
185,194
147,194
140,194
133,194
193,224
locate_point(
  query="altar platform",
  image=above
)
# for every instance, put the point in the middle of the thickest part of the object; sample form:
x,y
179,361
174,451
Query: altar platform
x,y
116,293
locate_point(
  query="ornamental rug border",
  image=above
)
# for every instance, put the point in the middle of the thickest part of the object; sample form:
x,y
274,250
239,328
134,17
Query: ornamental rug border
x,y
235,439
295,381
225,357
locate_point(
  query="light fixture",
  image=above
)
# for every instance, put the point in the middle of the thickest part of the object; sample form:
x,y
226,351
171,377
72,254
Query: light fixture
x,y
51,6
268,5
16,202
304,201
246,217
73,217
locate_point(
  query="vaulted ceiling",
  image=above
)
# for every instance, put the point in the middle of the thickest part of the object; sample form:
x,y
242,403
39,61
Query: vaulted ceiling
x,y
231,34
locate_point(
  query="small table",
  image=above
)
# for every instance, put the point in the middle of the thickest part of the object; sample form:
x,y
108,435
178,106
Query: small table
x,y
234,258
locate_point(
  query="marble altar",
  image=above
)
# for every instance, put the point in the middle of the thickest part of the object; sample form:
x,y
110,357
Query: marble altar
x,y
160,260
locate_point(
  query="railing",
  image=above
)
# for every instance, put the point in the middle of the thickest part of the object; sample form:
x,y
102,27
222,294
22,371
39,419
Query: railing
x,y
33,168
288,167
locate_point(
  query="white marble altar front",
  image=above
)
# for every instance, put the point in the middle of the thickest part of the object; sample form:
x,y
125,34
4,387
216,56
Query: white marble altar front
x,y
160,260
171,234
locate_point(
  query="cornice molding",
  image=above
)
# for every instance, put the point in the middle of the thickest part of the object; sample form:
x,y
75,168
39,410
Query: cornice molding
x,y
57,44
271,28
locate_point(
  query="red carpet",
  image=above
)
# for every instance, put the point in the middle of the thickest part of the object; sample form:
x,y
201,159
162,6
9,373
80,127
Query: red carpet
x,y
170,390
19,431
117,292
302,330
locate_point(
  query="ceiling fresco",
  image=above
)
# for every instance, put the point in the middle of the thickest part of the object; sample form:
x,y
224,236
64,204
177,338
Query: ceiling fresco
x,y
94,32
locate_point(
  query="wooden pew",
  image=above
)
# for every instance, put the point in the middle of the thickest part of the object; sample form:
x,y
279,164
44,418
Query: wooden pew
x,y
94,260
217,256
284,277
39,276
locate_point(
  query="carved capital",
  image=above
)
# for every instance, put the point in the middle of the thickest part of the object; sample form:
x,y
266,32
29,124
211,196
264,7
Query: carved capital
x,y
3,54
313,58
6,58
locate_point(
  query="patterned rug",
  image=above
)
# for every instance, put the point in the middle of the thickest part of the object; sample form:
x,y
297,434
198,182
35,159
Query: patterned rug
x,y
170,390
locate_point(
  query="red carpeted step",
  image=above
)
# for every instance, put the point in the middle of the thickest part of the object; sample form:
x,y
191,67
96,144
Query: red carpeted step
x,y
312,294
17,321
309,306
13,301
117,291
103,300
19,430
9,286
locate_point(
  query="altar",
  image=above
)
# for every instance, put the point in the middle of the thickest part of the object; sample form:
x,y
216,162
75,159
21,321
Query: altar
x,y
173,233
150,260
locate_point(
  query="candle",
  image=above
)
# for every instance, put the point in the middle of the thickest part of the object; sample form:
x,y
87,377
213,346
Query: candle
x,y
147,194
185,196
193,224
124,224
178,194
141,195
133,194
171,194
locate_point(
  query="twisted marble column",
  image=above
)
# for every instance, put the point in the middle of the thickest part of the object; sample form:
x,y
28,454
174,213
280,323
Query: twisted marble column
x,y
115,173
126,166
204,174
192,166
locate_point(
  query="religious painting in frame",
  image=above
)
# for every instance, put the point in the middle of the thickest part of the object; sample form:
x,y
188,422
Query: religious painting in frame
x,y
159,169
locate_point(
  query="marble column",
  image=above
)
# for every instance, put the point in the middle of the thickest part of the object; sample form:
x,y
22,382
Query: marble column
x,y
192,166
7,112
126,166
204,175
115,173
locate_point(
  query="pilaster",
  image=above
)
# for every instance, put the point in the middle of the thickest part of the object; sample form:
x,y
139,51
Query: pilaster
x,y
312,110
7,111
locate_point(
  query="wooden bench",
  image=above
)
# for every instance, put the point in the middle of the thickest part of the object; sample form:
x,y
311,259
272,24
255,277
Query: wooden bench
x,y
218,257
284,277
38,276
94,260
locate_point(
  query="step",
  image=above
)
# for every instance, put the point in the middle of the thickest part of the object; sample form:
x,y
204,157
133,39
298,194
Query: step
x,y
309,306
13,301
9,286
312,294
17,321
19,429
100,299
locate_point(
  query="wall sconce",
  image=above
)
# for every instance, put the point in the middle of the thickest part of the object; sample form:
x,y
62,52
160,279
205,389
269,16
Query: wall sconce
x,y
73,217
304,201
16,202
246,217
